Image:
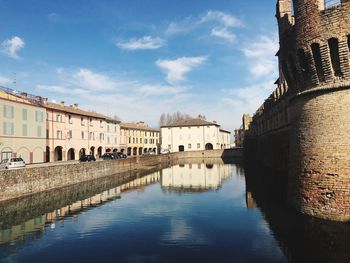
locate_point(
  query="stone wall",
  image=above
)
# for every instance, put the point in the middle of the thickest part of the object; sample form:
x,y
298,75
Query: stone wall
x,y
22,182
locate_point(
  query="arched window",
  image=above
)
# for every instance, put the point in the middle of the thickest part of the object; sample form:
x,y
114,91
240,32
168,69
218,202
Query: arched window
x,y
316,53
304,66
334,52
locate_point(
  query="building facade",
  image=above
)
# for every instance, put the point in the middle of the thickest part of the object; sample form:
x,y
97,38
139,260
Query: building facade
x,y
194,135
140,138
72,132
22,121
112,135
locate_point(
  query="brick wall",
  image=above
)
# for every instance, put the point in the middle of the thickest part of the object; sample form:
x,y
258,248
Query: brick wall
x,y
22,182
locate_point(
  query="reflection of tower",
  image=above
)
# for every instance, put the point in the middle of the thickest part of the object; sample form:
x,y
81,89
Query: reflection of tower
x,y
315,63
250,202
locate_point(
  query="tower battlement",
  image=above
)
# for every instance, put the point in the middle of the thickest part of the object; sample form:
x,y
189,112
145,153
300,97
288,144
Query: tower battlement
x,y
314,43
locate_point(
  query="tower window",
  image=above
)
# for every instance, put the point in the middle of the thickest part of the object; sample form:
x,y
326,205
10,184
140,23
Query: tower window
x,y
334,52
316,53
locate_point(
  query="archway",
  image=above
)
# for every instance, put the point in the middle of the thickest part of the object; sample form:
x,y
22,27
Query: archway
x,y
209,166
129,151
38,155
134,151
140,151
99,151
115,150
24,153
71,154
122,150
108,150
154,150
92,150
47,154
145,150
181,148
58,153
209,146
82,152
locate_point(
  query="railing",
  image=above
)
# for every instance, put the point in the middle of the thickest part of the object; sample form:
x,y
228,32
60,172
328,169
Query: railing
x,y
20,96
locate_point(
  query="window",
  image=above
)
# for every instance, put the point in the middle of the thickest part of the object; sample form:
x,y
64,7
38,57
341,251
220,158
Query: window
x,y
198,145
39,116
82,135
39,131
47,133
316,52
8,111
101,124
334,53
146,141
304,66
70,121
69,134
108,127
58,134
8,128
102,136
140,140
115,140
189,146
59,118
82,121
115,128
169,146
24,130
24,114
91,122
129,140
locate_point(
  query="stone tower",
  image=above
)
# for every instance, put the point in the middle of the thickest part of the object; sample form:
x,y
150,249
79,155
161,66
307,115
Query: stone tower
x,y
314,61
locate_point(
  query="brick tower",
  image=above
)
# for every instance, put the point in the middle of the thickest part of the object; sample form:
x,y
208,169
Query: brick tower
x,y
314,61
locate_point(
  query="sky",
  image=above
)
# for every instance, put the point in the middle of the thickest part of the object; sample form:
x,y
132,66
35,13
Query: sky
x,y
139,58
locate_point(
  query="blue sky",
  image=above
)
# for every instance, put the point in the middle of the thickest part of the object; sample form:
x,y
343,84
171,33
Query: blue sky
x,y
138,58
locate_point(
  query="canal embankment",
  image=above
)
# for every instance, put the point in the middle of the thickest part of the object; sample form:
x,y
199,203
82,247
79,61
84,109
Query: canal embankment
x,y
31,180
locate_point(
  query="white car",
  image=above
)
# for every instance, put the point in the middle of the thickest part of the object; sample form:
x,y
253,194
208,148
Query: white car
x,y
12,163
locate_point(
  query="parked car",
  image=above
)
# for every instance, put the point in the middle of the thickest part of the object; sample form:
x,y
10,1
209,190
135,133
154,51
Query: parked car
x,y
164,151
12,163
110,156
121,155
87,158
149,153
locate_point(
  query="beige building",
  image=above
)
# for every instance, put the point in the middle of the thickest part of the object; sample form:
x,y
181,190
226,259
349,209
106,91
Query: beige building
x,y
72,132
140,138
112,135
194,135
22,132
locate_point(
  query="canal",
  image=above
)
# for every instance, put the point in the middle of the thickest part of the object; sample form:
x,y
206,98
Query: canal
x,y
192,211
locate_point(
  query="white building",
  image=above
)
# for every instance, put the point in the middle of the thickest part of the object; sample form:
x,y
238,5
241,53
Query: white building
x,y
194,135
112,135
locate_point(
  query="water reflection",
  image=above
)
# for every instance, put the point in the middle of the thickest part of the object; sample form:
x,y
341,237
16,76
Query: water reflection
x,y
223,213
36,225
301,238
195,177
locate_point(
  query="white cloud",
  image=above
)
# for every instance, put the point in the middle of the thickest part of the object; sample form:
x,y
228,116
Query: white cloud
x,y
261,54
88,79
61,89
4,80
223,18
176,69
220,23
146,42
223,33
12,46
159,90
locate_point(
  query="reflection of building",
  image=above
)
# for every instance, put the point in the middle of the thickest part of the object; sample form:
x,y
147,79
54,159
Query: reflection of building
x,y
140,138
22,123
194,135
195,177
19,231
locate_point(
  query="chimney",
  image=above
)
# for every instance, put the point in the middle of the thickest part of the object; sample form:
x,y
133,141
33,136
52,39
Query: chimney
x,y
215,122
62,103
45,100
75,105
24,95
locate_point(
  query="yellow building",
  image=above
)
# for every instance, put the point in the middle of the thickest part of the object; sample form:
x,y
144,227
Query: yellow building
x,y
140,138
22,122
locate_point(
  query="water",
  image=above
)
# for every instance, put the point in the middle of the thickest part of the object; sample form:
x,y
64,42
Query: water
x,y
190,212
